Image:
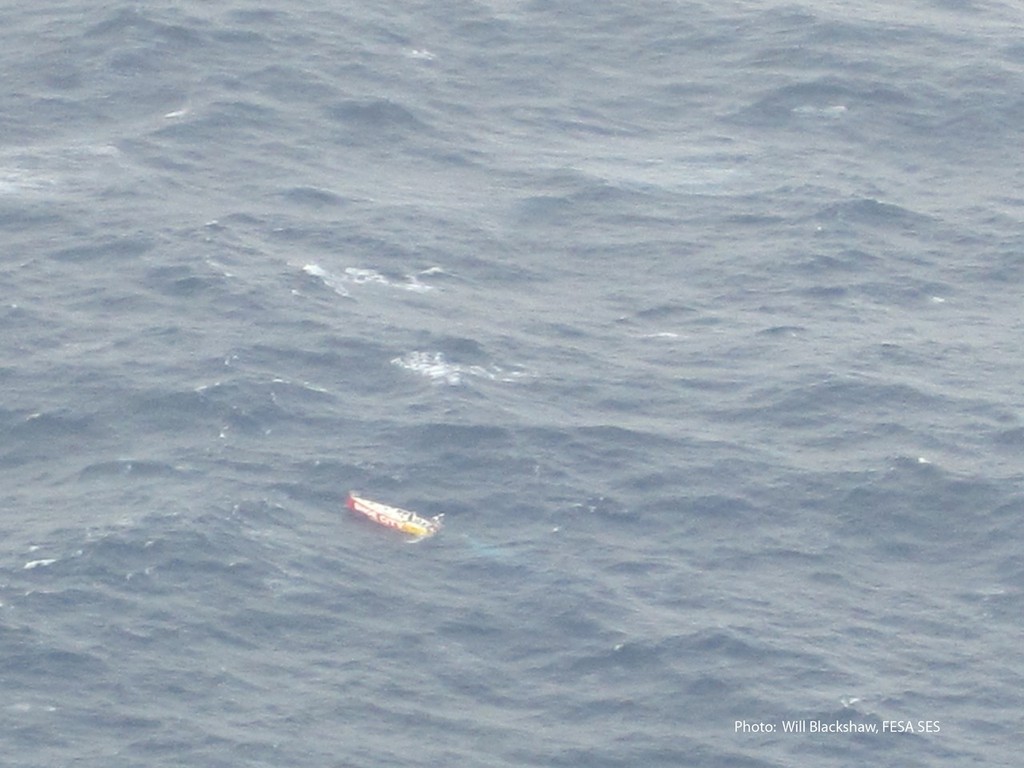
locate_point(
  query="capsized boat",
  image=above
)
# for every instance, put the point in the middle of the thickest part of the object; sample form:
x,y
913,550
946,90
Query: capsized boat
x,y
400,519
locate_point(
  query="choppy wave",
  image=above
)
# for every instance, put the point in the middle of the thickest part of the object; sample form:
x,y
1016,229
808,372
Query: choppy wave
x,y
698,321
436,367
342,283
46,171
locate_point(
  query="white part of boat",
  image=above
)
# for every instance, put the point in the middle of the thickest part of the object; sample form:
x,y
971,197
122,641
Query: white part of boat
x,y
393,517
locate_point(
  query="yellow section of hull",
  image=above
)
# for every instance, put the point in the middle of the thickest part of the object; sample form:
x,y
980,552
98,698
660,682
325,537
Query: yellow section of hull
x,y
415,529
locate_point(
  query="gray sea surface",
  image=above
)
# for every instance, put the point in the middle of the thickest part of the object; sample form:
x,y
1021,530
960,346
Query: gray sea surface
x,y
700,321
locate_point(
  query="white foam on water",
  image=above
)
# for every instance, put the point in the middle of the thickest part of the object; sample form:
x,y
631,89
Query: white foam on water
x,y
331,281
434,366
360,276
31,564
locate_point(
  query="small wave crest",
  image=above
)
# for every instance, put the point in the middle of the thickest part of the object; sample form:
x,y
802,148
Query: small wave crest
x,y
33,564
331,281
436,367
359,276
352,276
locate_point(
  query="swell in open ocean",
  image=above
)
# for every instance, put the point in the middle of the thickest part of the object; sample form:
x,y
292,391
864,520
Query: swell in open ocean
x,y
699,323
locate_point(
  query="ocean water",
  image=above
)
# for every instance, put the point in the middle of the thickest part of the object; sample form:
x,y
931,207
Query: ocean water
x,y
701,322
